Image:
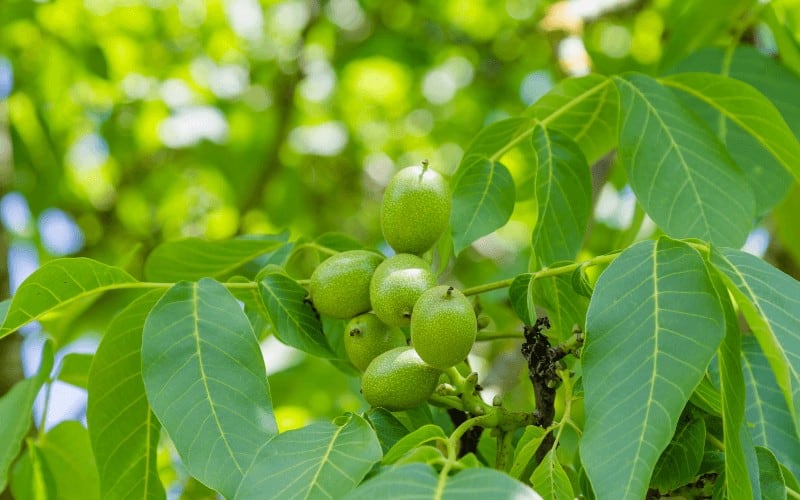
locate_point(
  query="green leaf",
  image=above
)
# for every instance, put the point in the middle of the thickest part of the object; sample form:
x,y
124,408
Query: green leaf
x,y
483,199
57,284
521,295
296,323
653,325
194,258
30,479
419,437
550,480
319,461
770,301
584,109
681,174
773,486
420,482
495,140
206,382
525,452
387,427
768,416
680,461
707,397
736,106
338,242
563,196
16,409
65,456
732,391
118,411
75,369
565,307
753,67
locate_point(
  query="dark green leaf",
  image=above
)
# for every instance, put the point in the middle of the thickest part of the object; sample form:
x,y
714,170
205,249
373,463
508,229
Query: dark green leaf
x,y
16,409
338,242
732,391
295,321
57,284
653,324
737,112
521,296
495,140
681,174
768,416
680,461
773,486
388,429
483,199
319,461
565,308
118,411
206,382
563,196
420,482
770,301
707,397
194,258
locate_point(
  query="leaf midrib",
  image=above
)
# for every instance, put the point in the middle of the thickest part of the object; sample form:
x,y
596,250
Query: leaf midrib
x,y
204,378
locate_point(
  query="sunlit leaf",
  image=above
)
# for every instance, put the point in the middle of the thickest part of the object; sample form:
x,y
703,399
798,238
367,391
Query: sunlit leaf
x,y
58,283
653,325
318,461
424,435
75,369
681,174
118,411
194,258
585,109
16,409
206,382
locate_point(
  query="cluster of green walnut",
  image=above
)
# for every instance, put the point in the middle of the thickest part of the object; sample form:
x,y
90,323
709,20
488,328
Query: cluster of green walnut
x,y
382,296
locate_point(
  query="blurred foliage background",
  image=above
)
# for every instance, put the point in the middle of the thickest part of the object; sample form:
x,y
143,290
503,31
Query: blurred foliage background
x,y
124,123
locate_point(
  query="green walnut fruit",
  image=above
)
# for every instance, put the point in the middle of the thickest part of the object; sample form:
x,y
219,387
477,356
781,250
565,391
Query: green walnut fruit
x,y
398,380
443,326
396,285
365,337
340,284
416,209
